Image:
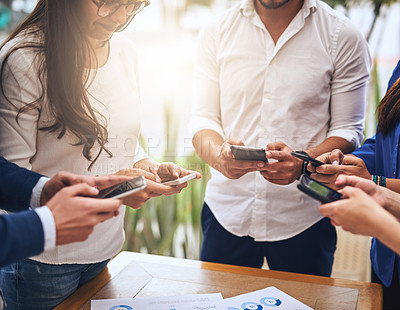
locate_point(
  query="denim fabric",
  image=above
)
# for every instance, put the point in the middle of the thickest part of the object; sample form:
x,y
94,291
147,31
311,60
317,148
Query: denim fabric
x,y
31,285
310,252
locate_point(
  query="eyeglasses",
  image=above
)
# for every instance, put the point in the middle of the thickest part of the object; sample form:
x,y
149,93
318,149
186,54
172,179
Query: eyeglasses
x,y
132,7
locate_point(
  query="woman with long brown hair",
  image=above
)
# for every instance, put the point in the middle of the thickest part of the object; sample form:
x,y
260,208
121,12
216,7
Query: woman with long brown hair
x,y
70,100
378,159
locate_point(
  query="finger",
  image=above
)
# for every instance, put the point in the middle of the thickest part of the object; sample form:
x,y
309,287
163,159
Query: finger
x,y
235,141
158,189
352,160
354,181
245,164
275,146
175,171
106,181
81,189
198,174
351,192
323,178
311,168
101,217
343,180
104,205
68,178
278,155
154,175
336,157
330,169
327,209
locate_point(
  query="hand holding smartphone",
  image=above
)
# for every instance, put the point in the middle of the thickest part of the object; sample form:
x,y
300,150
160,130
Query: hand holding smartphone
x,y
317,189
180,180
248,153
304,156
123,189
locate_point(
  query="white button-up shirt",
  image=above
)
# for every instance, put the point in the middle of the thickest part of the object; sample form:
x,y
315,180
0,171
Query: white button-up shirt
x,y
310,86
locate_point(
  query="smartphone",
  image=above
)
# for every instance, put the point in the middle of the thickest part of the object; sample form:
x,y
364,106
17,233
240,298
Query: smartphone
x,y
317,189
123,189
248,153
180,180
304,156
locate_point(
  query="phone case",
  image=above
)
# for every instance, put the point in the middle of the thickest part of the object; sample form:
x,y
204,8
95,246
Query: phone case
x,y
304,156
249,154
333,195
313,194
123,189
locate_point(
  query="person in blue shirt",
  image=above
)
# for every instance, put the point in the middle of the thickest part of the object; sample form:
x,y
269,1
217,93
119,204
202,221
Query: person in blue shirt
x,y
377,159
63,215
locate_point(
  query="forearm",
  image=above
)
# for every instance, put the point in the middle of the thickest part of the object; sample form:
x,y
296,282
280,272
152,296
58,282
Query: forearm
x,y
330,144
393,184
207,144
387,230
392,202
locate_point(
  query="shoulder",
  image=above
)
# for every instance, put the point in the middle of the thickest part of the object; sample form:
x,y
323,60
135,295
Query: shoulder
x,y
122,43
223,21
336,22
22,52
342,38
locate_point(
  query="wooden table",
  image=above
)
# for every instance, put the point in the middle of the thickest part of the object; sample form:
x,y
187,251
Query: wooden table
x,y
142,275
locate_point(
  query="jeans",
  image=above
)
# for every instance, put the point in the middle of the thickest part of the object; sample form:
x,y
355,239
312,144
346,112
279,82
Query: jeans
x,y
309,252
32,285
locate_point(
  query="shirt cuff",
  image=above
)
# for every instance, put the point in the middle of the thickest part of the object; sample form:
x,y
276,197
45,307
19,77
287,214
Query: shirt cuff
x,y
49,227
37,191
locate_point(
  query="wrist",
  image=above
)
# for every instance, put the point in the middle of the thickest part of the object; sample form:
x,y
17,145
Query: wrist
x,y
379,180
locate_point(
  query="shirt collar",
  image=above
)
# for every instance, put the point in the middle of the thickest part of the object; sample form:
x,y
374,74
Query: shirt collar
x,y
247,7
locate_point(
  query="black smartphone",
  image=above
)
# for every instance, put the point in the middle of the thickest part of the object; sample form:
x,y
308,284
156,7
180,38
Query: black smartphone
x,y
248,153
304,156
123,189
317,189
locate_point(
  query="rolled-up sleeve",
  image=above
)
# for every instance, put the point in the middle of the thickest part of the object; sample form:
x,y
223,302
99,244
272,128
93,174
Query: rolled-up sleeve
x,y
206,112
352,62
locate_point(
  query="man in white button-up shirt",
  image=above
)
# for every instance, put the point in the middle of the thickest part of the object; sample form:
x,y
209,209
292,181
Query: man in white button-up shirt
x,y
284,75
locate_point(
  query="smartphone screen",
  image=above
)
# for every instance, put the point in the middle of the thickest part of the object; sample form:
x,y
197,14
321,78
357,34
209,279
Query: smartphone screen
x,y
318,190
123,189
180,180
248,153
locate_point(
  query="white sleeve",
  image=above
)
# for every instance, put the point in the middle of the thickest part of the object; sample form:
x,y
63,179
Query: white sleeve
x,y
205,111
49,227
352,62
22,87
140,154
37,191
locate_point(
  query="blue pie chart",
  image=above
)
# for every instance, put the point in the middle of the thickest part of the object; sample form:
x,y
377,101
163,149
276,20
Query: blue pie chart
x,y
271,301
121,307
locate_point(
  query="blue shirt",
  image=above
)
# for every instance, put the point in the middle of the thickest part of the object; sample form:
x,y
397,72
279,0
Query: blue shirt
x,y
380,155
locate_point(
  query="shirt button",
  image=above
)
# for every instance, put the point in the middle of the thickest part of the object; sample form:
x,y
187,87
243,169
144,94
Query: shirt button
x,y
259,196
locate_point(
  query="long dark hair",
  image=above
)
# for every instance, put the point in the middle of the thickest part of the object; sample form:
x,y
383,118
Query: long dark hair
x,y
389,109
62,74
